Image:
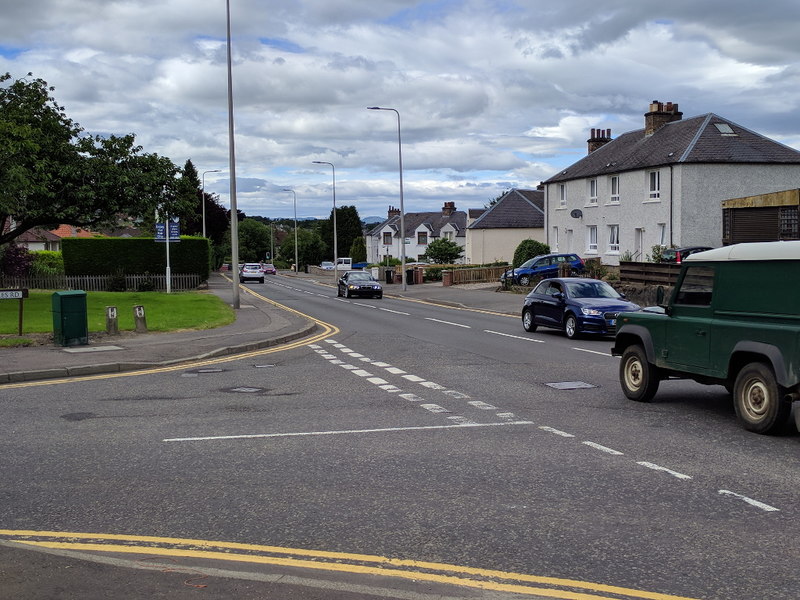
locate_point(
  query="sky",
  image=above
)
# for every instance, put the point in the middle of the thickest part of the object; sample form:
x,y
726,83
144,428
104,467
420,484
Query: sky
x,y
491,94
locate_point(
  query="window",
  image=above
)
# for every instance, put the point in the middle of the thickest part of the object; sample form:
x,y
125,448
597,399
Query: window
x,y
422,238
613,238
789,223
593,191
654,178
615,189
562,194
387,238
448,235
662,235
696,287
591,238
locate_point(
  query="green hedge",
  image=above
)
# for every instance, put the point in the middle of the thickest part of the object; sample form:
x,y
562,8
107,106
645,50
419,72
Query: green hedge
x,y
135,256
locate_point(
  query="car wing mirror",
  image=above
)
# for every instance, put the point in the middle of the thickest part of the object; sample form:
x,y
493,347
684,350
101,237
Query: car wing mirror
x,y
660,299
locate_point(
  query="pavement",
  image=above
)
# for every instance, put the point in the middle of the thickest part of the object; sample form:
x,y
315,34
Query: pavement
x,y
258,325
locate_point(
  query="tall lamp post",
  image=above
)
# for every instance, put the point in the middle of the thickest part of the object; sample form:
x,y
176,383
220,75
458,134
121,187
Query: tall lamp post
x,y
203,197
335,238
296,262
402,208
232,161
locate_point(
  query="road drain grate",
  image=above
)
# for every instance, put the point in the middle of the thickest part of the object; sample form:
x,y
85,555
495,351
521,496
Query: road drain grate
x,y
570,385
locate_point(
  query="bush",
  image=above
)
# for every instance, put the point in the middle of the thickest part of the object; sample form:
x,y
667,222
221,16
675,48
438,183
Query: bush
x,y
116,282
16,261
528,249
47,262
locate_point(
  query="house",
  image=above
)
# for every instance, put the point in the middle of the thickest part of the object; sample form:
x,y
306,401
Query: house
x,y
661,185
421,228
39,239
516,216
761,218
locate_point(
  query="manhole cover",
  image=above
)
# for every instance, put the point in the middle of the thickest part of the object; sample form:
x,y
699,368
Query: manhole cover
x,y
209,370
246,390
570,385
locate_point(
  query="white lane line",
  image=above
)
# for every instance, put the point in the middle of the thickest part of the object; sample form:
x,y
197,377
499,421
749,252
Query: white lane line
x,y
604,449
376,380
506,416
348,367
455,394
382,365
314,346
342,300
482,405
434,408
655,467
336,361
608,354
414,378
395,371
556,431
411,397
392,389
750,501
355,355
367,305
516,337
431,386
397,312
344,432
363,373
448,323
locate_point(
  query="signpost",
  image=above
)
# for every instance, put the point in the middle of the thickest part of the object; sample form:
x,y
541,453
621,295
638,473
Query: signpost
x,y
15,295
173,226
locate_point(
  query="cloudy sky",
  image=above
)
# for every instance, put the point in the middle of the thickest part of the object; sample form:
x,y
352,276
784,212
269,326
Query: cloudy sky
x,y
492,94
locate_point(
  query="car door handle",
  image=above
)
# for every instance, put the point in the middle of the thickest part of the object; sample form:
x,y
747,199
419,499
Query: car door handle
x,y
700,332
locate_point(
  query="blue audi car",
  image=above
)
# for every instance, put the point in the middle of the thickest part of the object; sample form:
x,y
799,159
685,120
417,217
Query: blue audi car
x,y
575,305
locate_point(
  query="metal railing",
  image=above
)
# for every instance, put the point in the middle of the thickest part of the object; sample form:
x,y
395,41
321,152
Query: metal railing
x,y
100,283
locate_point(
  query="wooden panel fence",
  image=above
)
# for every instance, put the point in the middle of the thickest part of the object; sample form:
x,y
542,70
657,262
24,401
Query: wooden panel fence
x,y
100,283
648,273
478,275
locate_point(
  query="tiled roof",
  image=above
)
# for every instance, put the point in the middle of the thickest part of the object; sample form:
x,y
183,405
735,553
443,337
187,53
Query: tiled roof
x,y
434,221
68,231
515,209
37,235
706,138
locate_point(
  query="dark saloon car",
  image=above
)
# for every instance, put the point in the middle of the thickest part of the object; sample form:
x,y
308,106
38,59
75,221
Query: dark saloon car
x,y
677,255
359,283
544,265
576,305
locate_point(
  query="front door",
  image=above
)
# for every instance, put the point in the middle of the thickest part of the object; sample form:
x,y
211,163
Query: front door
x,y
689,327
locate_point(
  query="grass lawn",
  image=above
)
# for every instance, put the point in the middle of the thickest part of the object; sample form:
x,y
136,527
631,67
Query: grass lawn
x,y
163,312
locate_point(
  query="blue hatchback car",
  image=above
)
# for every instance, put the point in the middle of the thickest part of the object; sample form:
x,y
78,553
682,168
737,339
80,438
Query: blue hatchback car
x,y
576,305
544,265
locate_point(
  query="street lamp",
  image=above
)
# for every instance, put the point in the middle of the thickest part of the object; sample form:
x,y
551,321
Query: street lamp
x,y
232,162
203,195
296,262
402,209
335,242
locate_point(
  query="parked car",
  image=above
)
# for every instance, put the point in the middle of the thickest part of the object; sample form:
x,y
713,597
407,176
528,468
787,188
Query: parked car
x,y
677,255
731,320
326,265
251,271
542,266
575,305
359,283
269,269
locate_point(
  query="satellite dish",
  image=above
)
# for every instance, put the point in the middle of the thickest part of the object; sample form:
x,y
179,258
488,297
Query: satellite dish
x,y
576,214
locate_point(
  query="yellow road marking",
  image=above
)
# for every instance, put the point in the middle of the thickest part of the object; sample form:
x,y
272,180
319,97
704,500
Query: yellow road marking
x,y
389,567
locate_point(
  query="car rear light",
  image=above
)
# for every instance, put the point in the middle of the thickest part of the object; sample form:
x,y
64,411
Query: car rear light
x,y
678,257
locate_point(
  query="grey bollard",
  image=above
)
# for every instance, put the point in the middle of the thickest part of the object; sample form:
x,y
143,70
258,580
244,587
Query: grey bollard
x,y
139,319
112,326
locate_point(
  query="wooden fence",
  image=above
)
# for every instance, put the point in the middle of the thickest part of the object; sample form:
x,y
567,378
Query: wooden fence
x,y
648,273
478,275
100,283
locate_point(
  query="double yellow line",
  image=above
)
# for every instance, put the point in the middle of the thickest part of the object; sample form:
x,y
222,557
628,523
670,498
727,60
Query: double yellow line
x,y
358,564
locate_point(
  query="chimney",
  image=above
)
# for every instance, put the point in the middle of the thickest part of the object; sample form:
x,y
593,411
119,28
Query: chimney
x,y
660,114
393,212
448,209
600,137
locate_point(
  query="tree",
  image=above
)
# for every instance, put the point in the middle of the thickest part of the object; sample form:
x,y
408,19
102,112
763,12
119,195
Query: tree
x,y
497,199
51,173
311,249
443,252
348,228
255,240
528,249
358,251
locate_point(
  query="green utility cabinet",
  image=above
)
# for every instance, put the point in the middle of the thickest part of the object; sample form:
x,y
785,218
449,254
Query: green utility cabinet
x,y
70,321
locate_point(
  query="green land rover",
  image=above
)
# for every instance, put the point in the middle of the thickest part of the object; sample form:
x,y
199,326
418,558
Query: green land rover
x,y
733,319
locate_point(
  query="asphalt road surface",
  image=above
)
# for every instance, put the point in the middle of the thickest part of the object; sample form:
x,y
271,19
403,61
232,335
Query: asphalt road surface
x,y
411,451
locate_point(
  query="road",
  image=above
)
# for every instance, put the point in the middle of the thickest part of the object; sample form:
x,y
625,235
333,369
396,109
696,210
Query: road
x,y
413,447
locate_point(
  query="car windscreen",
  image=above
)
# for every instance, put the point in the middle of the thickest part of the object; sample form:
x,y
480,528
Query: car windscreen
x,y
590,289
359,277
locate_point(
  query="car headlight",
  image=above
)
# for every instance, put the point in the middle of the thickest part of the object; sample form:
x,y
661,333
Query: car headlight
x,y
352,287
592,312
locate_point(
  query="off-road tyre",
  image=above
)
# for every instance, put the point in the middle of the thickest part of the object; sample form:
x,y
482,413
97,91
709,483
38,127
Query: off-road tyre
x,y
639,379
758,399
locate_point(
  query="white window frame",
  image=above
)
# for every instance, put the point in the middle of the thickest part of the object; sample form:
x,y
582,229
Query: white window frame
x,y
555,238
613,239
662,235
614,185
591,239
562,194
654,184
593,191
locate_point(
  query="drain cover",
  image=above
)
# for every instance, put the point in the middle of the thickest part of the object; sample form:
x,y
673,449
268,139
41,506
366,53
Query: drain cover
x,y
570,385
246,390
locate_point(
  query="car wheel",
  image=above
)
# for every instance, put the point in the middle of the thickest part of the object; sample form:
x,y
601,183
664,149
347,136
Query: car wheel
x,y
639,379
241,280
338,292
571,326
261,280
528,322
347,293
525,280
758,399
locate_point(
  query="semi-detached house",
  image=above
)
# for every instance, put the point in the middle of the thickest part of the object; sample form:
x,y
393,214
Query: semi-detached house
x,y
661,185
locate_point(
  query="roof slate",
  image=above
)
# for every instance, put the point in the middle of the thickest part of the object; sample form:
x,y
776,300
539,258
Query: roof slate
x,y
515,209
693,140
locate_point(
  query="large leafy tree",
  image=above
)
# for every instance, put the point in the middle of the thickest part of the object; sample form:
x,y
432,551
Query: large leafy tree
x,y
443,252
311,249
255,240
348,228
53,173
